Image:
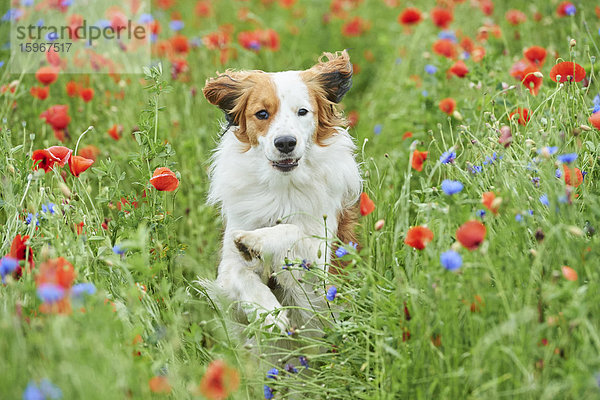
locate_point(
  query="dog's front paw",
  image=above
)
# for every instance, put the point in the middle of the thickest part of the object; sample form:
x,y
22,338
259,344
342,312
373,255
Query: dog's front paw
x,y
249,244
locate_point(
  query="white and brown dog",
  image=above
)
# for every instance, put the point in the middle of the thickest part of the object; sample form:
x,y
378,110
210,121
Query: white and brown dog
x,y
283,163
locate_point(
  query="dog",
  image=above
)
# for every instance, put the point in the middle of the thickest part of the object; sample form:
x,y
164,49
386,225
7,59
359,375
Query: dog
x,y
285,177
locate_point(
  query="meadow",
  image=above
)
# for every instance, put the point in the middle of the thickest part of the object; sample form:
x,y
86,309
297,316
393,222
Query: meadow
x,y
477,275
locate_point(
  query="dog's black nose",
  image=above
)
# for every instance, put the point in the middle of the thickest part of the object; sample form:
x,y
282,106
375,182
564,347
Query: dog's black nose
x,y
285,144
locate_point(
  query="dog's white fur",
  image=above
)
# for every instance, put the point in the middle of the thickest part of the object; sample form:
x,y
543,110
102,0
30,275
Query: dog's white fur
x,y
271,215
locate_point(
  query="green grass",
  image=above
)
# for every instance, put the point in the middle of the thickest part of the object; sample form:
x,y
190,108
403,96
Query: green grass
x,y
490,317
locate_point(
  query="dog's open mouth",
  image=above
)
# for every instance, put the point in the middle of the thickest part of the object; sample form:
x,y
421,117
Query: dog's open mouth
x,y
285,165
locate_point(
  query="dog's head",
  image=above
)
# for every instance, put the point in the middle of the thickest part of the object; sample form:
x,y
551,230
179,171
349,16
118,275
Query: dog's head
x,y
284,113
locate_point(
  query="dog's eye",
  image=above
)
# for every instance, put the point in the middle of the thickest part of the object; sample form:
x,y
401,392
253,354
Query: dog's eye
x,y
302,112
262,114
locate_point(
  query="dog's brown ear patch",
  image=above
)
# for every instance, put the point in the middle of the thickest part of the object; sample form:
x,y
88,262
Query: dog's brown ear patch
x,y
225,91
328,81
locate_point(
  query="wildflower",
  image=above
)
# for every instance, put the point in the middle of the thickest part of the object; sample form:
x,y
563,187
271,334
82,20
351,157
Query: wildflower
x,y
418,237
480,213
515,17
573,176
488,199
471,234
80,289
219,381
45,390
532,79
367,206
355,27
407,135
595,120
410,16
568,72
46,75
180,44
118,249
268,392
377,129
303,361
547,151
90,151
459,69
451,260
176,25
48,208
451,187
330,296
505,138
569,273
341,251
418,159
566,8
78,164
567,158
379,224
289,367
72,88
159,384
40,92
447,105
57,116
19,250
430,69
441,17
164,179
544,199
7,266
444,47
30,218
50,292
535,54
523,114
447,157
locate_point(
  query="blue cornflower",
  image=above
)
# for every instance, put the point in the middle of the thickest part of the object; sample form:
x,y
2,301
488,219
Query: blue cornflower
x,y
290,368
255,45
430,69
550,150
30,218
424,93
303,361
567,158
377,129
153,37
7,266
273,373
530,212
118,249
341,252
26,3
583,174
596,100
50,292
48,208
466,55
146,18
12,14
451,187
66,3
50,390
490,160
305,264
570,10
480,213
331,293
451,260
558,173
398,61
33,392
449,35
596,108
268,392
536,181
544,199
176,25
447,157
475,169
51,36
80,289
518,218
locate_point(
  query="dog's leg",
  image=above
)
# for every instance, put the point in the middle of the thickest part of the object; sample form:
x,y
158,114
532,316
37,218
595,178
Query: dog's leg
x,y
242,283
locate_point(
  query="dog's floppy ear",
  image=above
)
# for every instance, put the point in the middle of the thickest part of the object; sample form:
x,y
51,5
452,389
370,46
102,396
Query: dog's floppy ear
x,y
334,74
226,91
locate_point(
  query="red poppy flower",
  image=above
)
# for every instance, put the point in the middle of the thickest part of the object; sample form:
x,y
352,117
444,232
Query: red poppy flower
x,y
535,54
410,16
46,75
459,69
164,179
445,47
565,9
57,271
531,80
447,105
78,164
115,131
367,206
471,234
407,135
355,27
203,8
40,92
523,115
20,251
569,273
573,176
86,94
57,116
73,88
487,199
219,381
90,151
595,120
441,17
418,237
486,6
180,43
159,384
418,159
467,44
568,71
353,118
515,17
48,157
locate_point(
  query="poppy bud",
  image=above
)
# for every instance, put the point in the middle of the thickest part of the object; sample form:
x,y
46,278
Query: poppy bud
x,y
575,230
538,74
585,128
572,43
